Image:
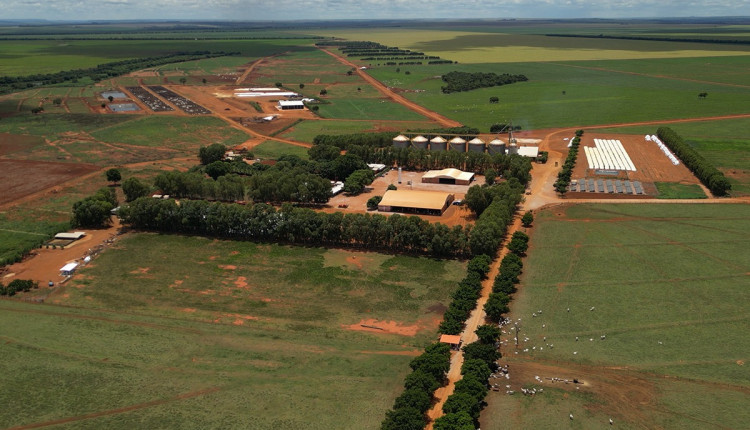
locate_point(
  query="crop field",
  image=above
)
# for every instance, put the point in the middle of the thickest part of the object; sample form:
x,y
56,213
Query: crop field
x,y
671,190
666,286
258,332
476,47
25,57
561,95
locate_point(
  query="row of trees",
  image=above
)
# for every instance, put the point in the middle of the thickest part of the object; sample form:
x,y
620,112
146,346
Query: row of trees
x,y
102,71
428,373
465,297
466,81
495,217
291,224
703,170
462,408
193,185
565,174
95,210
17,286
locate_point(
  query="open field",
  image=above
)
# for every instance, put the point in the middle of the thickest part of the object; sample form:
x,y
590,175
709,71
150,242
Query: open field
x,y
667,285
258,332
559,96
671,190
307,130
273,149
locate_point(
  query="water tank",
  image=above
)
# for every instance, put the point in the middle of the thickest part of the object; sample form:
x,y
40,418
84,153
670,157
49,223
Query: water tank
x,y
438,143
419,142
401,141
496,146
476,145
458,144
512,148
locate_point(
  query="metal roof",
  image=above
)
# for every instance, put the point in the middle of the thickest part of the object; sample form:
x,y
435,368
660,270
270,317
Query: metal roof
x,y
435,200
449,174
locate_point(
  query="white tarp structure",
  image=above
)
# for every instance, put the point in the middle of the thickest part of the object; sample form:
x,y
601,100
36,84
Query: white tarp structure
x,y
70,236
68,269
664,149
265,94
528,151
608,154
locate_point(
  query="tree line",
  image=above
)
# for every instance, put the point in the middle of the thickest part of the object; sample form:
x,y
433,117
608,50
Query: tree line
x,y
289,224
657,39
101,71
94,210
709,175
465,81
563,177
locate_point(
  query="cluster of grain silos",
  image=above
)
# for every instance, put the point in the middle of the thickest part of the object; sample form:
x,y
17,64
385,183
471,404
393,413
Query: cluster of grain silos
x,y
439,143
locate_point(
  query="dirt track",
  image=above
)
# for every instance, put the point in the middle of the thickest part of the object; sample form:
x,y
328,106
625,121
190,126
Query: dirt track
x,y
118,410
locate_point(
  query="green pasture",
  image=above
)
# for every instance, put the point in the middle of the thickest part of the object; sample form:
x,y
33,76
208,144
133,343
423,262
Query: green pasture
x,y
304,67
668,288
181,133
273,149
257,328
24,57
307,130
558,95
18,234
51,125
724,143
673,190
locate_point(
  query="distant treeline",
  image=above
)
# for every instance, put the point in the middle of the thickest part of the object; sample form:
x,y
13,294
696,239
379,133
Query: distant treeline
x,y
703,169
290,224
656,39
186,37
465,81
372,51
102,71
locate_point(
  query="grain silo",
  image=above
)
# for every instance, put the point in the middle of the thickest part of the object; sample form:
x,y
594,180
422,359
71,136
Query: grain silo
x,y
476,145
419,142
438,143
496,146
458,144
512,149
401,141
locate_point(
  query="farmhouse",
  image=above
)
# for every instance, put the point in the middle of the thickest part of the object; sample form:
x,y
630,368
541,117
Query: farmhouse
x,y
290,104
453,340
448,176
413,201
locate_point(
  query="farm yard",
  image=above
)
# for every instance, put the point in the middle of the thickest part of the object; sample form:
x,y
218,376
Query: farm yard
x,y
645,305
192,332
250,330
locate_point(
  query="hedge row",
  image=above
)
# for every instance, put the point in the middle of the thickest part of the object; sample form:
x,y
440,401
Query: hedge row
x,y
703,170
490,228
505,285
563,178
428,373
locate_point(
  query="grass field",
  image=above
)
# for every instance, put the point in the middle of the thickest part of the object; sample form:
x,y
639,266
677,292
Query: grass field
x,y
273,149
672,190
307,130
668,288
258,325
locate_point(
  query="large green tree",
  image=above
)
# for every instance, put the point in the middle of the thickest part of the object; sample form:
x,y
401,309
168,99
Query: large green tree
x,y
134,188
113,175
209,154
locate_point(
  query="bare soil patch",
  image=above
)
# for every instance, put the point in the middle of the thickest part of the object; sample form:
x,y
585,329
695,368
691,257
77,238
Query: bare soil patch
x,y
15,176
390,327
10,143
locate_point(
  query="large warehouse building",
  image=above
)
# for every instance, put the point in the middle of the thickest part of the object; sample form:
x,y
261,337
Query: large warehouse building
x,y
418,202
448,176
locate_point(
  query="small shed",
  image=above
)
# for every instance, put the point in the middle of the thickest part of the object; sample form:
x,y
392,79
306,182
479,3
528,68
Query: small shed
x,y
453,340
68,269
70,236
